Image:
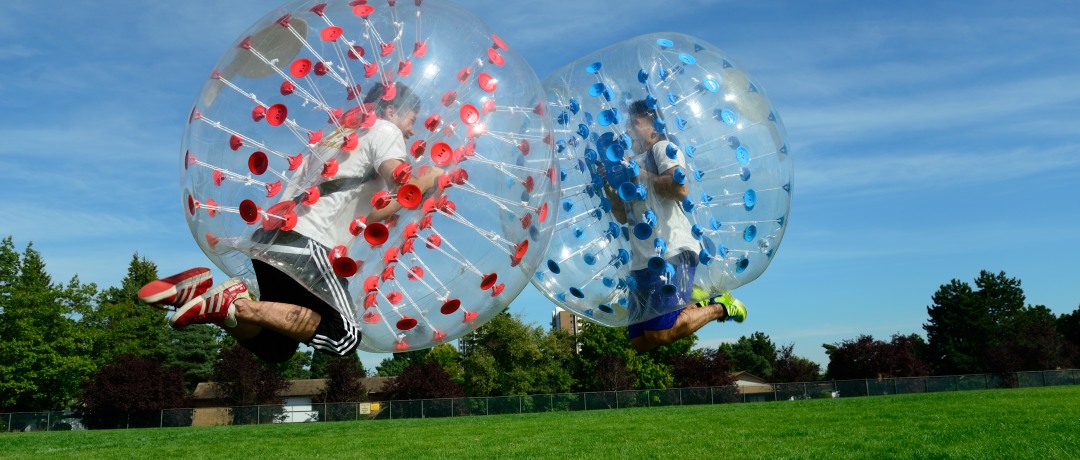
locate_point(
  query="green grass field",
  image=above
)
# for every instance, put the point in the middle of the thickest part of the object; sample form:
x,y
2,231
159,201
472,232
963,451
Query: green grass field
x,y
1035,423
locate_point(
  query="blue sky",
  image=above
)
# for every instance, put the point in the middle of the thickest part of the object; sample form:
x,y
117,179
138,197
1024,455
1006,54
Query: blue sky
x,y
931,140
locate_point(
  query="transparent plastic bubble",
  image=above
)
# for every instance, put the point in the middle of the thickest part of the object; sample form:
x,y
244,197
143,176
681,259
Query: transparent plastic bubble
x,y
705,201
288,134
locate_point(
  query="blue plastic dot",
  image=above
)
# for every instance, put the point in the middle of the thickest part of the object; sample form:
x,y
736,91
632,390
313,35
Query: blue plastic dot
x,y
744,174
596,89
574,106
728,116
697,231
650,102
605,308
715,224
699,174
553,266
671,151
733,142
687,205
564,118
539,275
750,233
680,123
642,76
583,131
561,297
616,116
679,176
660,245
687,59
705,257
698,47
613,229
672,98
577,293
588,118
578,232
690,150
591,155
749,199
668,290
660,126
657,264
623,255
642,231
706,198
608,282
627,191
608,94
567,205
711,85
594,67
605,118
665,43
614,152
742,264
742,154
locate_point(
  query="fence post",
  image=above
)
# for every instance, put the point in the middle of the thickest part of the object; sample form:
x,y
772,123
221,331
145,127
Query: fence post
x,y
161,420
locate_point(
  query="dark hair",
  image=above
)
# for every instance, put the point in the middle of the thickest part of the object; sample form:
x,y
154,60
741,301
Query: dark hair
x,y
405,99
641,109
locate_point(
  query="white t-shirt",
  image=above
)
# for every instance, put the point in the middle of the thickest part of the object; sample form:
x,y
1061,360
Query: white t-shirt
x,y
672,225
327,221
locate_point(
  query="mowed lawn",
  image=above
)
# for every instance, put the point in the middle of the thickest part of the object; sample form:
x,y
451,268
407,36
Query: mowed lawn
x,y
1035,423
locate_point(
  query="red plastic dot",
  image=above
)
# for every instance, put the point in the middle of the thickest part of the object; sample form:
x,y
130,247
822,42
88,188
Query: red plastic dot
x,y
418,148
469,114
321,69
464,74
235,142
419,49
356,52
494,57
409,196
388,273
404,68
219,177
295,161
376,234
257,163
370,69
363,10
442,154
371,317
330,168
386,48
371,284
450,306
345,266
488,281
543,212
258,113
192,205
300,67
249,211
273,188
498,42
487,82
529,183
416,273
311,196
314,137
432,123
406,323
287,88
277,114
331,33
488,106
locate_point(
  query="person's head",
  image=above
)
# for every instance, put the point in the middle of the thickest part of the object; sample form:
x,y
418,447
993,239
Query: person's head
x,y
642,126
401,110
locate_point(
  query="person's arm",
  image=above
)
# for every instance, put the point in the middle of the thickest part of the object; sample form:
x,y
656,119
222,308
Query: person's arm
x,y
618,209
425,182
664,185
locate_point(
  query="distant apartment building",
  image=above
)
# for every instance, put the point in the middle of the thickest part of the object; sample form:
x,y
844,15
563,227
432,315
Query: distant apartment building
x,y
562,320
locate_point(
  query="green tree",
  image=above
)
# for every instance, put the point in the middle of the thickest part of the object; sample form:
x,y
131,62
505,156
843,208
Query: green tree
x,y
122,324
447,356
791,368
1068,325
343,380
396,364
507,357
606,354
755,354
43,355
967,327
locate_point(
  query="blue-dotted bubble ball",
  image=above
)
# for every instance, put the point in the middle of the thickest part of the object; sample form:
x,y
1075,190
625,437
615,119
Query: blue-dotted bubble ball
x,y
676,179
387,155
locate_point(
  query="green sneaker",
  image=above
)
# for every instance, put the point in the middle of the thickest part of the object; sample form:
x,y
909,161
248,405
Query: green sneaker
x,y
698,295
734,308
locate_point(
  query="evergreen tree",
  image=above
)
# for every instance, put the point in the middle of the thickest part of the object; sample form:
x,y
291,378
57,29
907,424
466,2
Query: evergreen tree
x,y
755,354
43,354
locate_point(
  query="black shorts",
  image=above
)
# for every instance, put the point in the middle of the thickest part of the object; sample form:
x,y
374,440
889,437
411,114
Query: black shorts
x,y
337,332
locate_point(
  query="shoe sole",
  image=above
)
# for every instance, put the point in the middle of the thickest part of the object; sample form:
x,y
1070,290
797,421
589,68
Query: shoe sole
x,y
164,291
176,319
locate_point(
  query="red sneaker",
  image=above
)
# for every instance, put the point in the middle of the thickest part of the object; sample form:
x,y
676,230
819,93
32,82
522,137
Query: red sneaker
x,y
178,289
214,307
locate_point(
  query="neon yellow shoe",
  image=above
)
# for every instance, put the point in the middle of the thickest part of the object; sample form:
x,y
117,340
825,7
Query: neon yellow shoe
x,y
734,308
698,295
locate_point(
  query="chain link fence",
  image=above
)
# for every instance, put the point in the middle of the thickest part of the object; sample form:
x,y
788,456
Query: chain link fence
x,y
461,407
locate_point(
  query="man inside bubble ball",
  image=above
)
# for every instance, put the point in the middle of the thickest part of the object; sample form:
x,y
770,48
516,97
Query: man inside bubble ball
x,y
289,311
663,280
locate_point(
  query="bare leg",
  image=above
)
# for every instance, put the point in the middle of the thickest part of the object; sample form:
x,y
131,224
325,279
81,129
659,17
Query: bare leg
x,y
690,320
293,321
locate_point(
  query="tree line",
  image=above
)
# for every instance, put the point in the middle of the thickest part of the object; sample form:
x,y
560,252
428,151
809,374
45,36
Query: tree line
x,y
103,353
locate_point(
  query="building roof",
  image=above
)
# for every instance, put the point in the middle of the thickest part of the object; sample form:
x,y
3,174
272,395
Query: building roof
x,y
309,387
